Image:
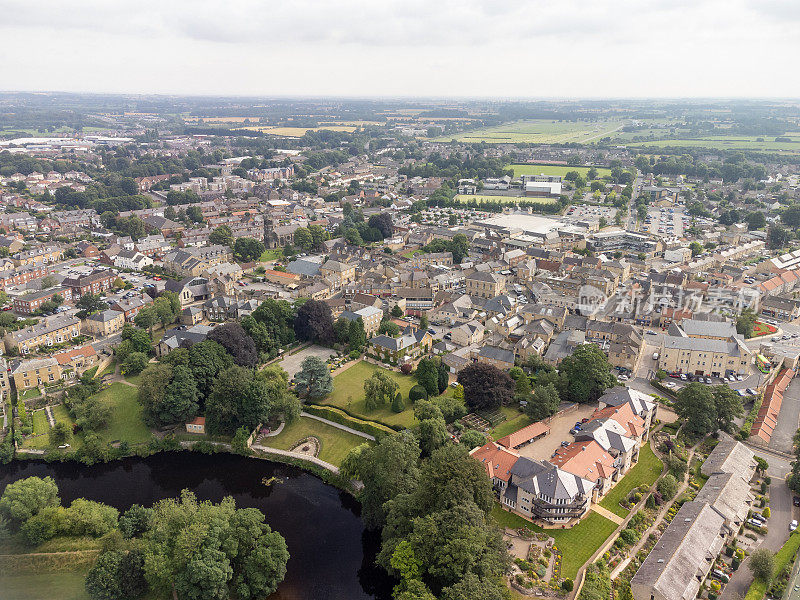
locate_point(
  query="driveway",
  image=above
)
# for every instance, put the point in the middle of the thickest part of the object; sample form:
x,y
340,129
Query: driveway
x,y
559,431
291,364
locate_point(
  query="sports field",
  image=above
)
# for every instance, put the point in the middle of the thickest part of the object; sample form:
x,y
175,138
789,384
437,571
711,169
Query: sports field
x,y
555,170
539,131
503,199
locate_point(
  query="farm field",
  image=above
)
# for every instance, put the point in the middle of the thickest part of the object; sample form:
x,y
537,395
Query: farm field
x,y
335,442
554,170
538,131
348,393
732,142
503,199
299,131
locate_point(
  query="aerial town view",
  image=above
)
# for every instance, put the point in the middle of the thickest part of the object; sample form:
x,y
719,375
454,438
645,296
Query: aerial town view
x,y
338,303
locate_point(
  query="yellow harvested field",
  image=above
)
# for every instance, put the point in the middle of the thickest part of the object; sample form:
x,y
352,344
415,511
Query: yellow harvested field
x,y
298,131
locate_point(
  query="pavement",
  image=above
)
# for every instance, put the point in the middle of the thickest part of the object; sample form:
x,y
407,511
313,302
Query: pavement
x,y
292,363
560,425
787,422
781,514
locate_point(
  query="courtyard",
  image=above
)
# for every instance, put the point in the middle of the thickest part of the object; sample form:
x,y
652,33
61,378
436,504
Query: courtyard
x,y
560,424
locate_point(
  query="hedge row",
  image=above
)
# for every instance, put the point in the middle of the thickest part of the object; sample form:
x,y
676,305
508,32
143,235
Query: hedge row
x,y
662,388
341,416
744,433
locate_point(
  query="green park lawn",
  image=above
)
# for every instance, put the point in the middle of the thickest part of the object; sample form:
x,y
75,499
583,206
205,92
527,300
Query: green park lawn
x,y
335,442
40,424
271,254
30,394
126,417
577,544
35,586
348,393
645,472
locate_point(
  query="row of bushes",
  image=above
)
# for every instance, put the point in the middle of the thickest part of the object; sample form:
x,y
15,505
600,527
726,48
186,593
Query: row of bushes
x,y
341,416
744,432
662,388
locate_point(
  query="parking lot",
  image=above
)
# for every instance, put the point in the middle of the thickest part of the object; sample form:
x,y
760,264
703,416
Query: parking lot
x,y
559,431
666,221
291,364
591,213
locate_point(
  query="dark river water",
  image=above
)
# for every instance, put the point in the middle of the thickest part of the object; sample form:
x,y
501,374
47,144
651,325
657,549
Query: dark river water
x,y
332,556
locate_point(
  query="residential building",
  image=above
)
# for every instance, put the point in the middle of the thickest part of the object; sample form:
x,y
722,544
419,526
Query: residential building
x,y
32,302
497,357
105,323
75,361
485,285
410,344
29,374
130,307
704,356
96,282
54,330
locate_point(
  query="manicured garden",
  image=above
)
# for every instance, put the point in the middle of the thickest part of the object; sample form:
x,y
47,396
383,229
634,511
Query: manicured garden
x,y
126,416
515,421
576,545
271,254
335,442
348,394
645,472
783,557
760,328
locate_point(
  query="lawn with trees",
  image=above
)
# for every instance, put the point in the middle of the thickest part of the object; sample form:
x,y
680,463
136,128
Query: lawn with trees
x,y
335,443
644,472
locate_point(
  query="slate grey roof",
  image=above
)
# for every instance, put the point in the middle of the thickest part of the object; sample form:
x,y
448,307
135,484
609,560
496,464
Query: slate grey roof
x,y
729,495
498,354
728,456
683,555
719,329
640,402
543,478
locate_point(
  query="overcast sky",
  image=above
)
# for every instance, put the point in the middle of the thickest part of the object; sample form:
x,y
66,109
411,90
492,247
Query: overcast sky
x,y
489,48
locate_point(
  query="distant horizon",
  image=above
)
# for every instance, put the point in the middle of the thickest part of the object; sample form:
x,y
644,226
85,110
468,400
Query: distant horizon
x,y
406,48
416,97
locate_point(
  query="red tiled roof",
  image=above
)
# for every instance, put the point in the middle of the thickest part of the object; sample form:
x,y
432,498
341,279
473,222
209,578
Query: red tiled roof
x,y
525,434
585,459
496,459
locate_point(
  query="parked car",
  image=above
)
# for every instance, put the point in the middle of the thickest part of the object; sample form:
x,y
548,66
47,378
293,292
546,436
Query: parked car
x,y
793,525
564,444
751,391
796,500
717,574
684,377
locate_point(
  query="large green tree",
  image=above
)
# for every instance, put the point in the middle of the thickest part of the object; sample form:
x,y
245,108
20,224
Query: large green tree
x,y
485,386
379,390
314,380
586,373
25,498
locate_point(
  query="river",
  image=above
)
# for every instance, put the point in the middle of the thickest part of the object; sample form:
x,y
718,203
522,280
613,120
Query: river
x,y
332,556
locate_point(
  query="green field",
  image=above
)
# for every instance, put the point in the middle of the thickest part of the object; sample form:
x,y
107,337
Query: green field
x,y
538,131
40,424
645,472
723,142
335,442
348,393
554,170
503,199
577,544
41,586
126,417
271,254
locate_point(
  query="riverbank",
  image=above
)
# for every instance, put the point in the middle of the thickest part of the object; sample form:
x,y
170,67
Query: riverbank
x,y
325,535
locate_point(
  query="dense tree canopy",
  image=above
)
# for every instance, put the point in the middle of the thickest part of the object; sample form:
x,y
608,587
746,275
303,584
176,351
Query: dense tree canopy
x,y
485,386
314,322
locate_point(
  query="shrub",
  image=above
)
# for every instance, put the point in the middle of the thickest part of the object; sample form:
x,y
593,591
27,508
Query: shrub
x,y
766,512
668,486
406,368
417,393
567,585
